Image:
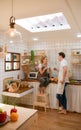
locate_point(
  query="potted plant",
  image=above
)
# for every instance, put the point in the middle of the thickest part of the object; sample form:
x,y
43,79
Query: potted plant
x,y
32,57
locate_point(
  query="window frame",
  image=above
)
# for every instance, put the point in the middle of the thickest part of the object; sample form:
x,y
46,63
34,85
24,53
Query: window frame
x,y
12,61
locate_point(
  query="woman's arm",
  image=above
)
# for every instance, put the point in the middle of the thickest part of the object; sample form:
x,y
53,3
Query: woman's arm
x,y
42,70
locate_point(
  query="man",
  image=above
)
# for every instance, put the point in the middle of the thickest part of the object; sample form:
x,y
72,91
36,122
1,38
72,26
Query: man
x,y
62,82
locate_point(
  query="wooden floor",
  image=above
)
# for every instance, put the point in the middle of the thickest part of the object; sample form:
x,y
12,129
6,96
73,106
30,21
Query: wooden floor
x,y
52,120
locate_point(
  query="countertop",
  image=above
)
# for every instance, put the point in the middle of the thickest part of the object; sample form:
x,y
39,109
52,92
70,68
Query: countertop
x,y
20,93
21,89
36,80
25,118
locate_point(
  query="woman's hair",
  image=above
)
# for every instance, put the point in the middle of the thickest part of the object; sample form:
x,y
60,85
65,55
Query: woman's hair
x,y
42,58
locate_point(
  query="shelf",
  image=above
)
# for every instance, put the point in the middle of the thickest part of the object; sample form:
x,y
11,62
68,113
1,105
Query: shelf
x,y
76,57
24,64
76,54
76,63
26,56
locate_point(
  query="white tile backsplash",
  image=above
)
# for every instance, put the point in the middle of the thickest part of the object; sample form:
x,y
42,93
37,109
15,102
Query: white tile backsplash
x,y
18,49
52,49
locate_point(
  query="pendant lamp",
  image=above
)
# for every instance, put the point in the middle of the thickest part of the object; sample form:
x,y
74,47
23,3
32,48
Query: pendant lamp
x,y
12,35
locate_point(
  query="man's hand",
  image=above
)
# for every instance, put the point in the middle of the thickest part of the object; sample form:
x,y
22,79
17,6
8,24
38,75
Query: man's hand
x,y
62,81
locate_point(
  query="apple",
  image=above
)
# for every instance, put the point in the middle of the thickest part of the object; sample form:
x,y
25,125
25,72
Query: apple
x,y
13,110
3,116
14,116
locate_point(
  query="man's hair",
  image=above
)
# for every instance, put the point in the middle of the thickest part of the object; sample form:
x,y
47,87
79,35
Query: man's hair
x,y
62,54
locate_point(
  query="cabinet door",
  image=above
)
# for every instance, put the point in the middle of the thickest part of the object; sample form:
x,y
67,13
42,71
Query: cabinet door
x,y
16,65
8,66
8,57
12,61
16,57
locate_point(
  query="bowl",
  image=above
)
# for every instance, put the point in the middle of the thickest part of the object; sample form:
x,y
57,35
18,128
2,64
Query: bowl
x,y
3,116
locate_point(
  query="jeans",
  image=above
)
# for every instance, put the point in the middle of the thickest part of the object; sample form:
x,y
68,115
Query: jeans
x,y
62,97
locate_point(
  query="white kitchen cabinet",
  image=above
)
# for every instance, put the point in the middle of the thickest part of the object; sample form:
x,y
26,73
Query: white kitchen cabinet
x,y
36,86
51,89
73,93
52,95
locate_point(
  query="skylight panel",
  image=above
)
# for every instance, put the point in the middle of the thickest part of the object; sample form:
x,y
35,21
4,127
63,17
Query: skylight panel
x,y
44,23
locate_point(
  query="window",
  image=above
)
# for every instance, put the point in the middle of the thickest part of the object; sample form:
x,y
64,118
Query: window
x,y
12,61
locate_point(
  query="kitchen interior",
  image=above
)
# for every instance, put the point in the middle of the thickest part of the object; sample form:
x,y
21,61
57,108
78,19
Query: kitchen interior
x,y
55,27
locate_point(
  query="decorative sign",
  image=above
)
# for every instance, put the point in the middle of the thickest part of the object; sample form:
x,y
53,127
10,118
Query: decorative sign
x,y
3,51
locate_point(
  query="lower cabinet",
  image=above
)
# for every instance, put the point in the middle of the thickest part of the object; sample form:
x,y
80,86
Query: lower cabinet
x,y
73,93
51,90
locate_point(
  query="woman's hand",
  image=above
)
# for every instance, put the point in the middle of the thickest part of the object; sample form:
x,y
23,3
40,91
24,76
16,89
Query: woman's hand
x,y
48,70
45,68
55,69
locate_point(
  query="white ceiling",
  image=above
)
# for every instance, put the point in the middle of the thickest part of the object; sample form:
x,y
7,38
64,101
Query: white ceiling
x,y
31,8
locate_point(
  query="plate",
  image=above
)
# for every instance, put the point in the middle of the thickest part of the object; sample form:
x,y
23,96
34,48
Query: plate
x,y
7,120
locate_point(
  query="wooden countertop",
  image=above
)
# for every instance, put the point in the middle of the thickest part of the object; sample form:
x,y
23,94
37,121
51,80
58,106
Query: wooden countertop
x,y
30,80
26,118
21,92
35,80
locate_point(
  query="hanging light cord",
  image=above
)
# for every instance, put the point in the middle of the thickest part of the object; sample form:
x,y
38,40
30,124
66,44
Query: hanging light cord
x,y
12,7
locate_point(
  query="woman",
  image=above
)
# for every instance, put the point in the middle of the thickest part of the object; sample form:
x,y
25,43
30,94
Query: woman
x,y
43,74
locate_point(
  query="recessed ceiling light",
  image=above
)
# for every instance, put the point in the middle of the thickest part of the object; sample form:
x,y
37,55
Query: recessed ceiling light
x,y
44,23
35,39
79,35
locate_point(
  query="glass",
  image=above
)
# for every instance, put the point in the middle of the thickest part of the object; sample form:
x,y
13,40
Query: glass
x,y
16,65
16,57
8,57
8,66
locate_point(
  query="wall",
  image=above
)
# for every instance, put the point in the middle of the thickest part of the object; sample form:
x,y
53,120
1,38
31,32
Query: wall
x,y
53,48
19,48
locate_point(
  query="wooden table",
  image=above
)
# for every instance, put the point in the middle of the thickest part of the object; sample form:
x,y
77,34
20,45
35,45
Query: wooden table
x,y
26,118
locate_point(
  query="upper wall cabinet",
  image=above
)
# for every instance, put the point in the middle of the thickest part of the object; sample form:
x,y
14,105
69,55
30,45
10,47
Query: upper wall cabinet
x,y
76,57
30,57
31,60
12,61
